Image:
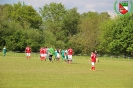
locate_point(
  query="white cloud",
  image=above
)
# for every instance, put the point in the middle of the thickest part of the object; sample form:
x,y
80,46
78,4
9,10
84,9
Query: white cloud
x,y
82,5
112,13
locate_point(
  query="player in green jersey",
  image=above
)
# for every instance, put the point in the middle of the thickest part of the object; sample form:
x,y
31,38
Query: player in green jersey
x,y
4,51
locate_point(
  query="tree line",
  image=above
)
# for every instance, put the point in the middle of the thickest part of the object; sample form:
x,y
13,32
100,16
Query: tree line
x,y
54,25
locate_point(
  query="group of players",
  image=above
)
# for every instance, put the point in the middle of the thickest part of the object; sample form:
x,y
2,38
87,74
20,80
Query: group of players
x,y
46,52
66,55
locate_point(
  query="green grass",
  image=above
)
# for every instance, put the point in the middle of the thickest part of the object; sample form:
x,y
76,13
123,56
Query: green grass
x,y
17,72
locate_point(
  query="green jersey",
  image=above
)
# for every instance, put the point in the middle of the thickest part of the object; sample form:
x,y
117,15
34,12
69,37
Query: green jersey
x,y
62,52
55,53
51,51
4,50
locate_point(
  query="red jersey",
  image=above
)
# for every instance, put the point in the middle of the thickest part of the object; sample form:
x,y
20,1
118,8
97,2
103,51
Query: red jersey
x,y
41,51
44,50
93,57
70,51
27,50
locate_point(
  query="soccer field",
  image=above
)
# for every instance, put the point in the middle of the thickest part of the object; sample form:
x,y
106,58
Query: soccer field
x,y
17,72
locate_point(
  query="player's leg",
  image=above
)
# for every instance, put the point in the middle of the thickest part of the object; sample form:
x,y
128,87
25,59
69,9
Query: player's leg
x,y
41,57
92,67
61,56
50,58
65,58
45,55
29,55
58,56
4,54
70,58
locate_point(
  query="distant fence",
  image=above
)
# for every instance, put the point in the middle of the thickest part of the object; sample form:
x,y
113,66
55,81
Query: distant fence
x,y
128,58
37,54
107,57
17,53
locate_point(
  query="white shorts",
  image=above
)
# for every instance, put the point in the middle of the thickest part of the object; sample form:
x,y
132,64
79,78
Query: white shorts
x,y
58,55
65,57
45,55
28,54
42,55
92,63
69,57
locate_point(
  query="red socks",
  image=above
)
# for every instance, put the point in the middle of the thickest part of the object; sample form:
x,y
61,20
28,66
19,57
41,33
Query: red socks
x,y
93,68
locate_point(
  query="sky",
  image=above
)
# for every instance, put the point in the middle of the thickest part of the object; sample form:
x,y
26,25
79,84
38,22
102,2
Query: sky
x,y
81,5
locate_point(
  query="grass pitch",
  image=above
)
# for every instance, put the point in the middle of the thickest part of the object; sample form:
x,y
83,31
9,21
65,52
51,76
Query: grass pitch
x,y
17,72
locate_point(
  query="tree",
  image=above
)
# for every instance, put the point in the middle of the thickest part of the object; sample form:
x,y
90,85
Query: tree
x,y
53,15
24,14
71,22
89,30
61,22
16,41
105,36
15,32
120,34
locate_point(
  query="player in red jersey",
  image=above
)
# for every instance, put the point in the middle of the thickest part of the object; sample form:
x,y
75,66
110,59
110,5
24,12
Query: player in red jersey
x,y
41,54
70,53
93,60
44,53
28,51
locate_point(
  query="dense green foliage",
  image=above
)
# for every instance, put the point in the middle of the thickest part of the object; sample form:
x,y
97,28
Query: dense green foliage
x,y
54,25
117,35
60,22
